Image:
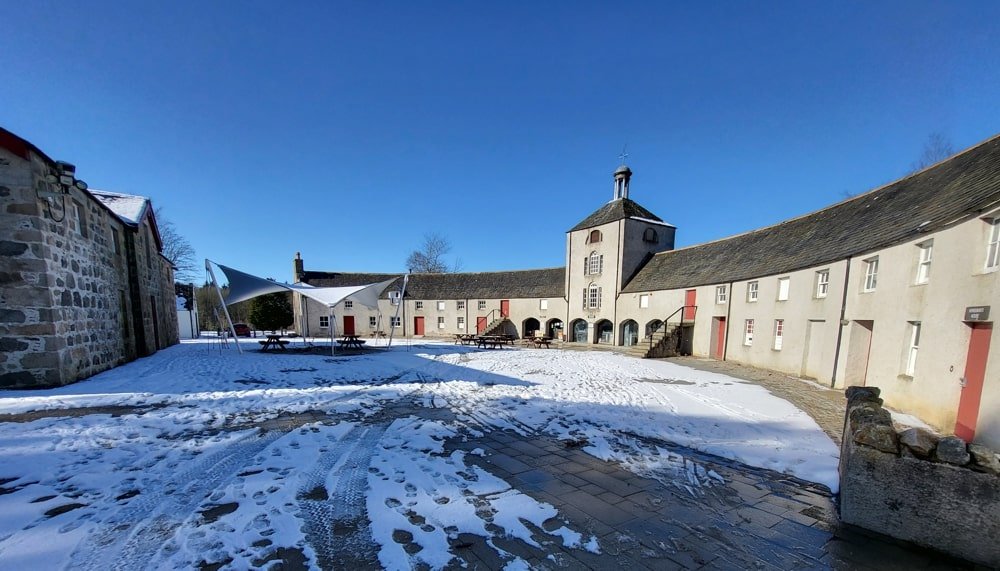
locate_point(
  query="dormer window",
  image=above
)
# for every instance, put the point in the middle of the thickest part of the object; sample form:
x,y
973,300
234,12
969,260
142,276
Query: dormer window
x,y
650,235
595,237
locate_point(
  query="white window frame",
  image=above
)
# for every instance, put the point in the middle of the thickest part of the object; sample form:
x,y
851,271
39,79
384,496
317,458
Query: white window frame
x,y
395,321
924,258
779,333
912,349
871,275
643,300
993,245
482,304
748,332
784,286
460,304
441,324
721,294
348,304
324,321
440,305
418,305
593,296
595,264
372,321
460,323
543,304
753,289
394,297
822,283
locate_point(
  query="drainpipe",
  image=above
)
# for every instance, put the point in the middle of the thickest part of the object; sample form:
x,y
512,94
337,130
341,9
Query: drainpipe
x,y
615,333
840,326
729,322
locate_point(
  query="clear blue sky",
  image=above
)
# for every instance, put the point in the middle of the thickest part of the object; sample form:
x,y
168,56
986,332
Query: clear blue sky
x,y
347,131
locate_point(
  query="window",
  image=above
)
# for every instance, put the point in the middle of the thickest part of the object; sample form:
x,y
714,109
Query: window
x,y
751,292
911,354
440,322
779,331
440,306
721,294
394,297
418,304
783,285
460,304
822,283
348,304
324,321
482,304
871,274
924,262
461,322
993,245
372,321
594,237
748,332
116,240
644,300
593,297
595,263
649,235
396,321
543,304
81,219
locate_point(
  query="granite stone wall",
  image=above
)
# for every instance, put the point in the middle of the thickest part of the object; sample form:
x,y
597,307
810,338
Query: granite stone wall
x,y
914,485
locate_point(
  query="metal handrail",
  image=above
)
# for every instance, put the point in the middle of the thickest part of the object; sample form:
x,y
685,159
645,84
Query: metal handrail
x,y
682,321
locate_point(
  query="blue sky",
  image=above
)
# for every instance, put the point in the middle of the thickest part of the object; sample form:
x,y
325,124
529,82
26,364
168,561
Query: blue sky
x,y
347,131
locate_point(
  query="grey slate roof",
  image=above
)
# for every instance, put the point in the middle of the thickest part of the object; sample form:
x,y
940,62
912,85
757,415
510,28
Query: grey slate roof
x,y
615,210
945,194
517,284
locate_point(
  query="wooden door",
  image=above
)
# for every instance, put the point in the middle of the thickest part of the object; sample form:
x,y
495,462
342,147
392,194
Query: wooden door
x,y
720,338
418,325
504,308
349,325
975,374
480,324
690,300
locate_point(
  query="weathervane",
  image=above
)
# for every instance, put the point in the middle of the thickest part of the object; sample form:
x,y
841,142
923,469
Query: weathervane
x,y
624,154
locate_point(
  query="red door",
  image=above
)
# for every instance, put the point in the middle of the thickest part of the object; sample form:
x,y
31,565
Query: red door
x,y
720,341
348,325
480,324
689,303
504,308
418,325
975,373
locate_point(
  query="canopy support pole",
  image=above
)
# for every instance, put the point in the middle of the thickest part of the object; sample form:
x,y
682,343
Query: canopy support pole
x,y
232,328
395,319
333,328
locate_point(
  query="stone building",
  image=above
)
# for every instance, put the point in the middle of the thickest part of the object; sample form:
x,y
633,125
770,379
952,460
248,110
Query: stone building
x,y
85,286
892,288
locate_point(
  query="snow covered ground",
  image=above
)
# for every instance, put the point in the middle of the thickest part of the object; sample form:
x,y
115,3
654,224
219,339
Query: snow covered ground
x,y
234,458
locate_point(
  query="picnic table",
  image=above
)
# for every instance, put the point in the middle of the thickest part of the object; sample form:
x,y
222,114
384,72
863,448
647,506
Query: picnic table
x,y
349,341
542,341
464,339
273,342
490,341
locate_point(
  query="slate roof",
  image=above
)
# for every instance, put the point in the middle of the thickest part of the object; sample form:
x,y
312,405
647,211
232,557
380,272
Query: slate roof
x,y
517,284
619,209
129,207
945,194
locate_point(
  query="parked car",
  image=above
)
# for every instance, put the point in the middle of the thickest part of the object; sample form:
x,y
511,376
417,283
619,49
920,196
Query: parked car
x,y
243,330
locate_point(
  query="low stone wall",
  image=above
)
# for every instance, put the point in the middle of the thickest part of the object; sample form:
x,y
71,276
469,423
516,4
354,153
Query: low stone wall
x,y
916,486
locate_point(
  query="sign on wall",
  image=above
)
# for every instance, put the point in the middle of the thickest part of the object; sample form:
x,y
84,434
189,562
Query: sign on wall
x,y
977,313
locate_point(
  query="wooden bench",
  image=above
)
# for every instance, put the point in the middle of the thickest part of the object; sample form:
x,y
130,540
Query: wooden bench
x,y
489,342
356,343
272,343
540,341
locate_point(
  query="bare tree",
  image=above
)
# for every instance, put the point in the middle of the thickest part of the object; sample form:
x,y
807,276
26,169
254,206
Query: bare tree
x,y
936,148
177,249
429,258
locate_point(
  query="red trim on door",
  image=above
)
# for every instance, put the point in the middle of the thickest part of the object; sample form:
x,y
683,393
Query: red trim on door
x,y
418,325
504,308
975,375
348,325
480,324
720,340
690,297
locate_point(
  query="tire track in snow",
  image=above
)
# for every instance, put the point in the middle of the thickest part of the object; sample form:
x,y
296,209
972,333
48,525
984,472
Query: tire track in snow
x,y
134,535
337,526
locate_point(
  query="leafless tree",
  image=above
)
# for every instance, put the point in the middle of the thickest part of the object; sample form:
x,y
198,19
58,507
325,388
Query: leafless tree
x,y
936,148
177,249
429,258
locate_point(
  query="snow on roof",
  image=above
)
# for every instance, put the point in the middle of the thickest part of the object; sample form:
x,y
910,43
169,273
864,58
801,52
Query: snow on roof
x,y
129,207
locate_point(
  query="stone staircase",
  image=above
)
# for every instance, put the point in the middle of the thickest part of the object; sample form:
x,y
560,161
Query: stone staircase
x,y
496,327
666,343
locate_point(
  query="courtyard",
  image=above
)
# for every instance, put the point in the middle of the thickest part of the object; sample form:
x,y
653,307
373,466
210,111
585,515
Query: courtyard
x,y
425,455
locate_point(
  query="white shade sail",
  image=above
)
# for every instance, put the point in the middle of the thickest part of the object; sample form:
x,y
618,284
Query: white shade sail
x,y
244,286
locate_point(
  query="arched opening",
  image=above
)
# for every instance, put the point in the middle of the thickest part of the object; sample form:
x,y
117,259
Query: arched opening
x,y
530,327
595,236
630,333
652,327
579,331
649,235
604,332
553,328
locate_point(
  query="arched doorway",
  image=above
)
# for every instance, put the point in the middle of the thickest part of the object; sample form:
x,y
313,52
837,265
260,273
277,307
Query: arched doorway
x,y
604,332
530,327
553,328
630,333
579,329
652,327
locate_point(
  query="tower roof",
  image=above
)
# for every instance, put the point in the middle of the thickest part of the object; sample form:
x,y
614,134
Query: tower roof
x,y
623,170
617,210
